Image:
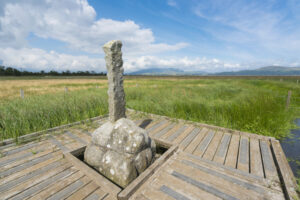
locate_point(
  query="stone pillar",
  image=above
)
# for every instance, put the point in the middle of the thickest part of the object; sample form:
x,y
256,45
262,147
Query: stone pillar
x,y
114,66
120,150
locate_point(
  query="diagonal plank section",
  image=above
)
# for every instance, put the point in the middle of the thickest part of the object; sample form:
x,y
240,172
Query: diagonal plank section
x,y
204,144
204,187
243,159
172,193
222,149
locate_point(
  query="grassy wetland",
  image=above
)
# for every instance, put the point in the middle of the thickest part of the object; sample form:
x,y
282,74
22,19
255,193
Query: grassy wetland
x,y
252,105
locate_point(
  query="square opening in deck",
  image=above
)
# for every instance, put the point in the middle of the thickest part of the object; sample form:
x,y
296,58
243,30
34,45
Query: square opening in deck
x,y
163,152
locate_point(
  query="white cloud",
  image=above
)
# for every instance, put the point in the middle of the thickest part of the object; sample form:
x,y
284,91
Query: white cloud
x,y
172,3
73,22
185,63
38,59
267,26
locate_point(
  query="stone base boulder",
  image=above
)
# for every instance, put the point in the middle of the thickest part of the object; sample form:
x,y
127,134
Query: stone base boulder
x,y
120,151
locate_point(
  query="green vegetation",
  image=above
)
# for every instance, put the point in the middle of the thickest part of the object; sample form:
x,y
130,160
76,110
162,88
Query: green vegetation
x,y
35,113
251,105
10,71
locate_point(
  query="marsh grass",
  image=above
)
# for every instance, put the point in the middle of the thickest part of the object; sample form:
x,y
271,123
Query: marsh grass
x,y
256,106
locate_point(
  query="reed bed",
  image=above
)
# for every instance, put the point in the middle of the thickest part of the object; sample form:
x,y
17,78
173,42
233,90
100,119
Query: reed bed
x,y
252,105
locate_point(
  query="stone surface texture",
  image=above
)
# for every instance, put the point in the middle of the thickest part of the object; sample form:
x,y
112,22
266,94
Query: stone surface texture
x,y
120,151
114,66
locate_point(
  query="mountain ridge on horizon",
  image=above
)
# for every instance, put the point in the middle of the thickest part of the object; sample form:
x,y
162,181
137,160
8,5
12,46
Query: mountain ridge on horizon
x,y
262,71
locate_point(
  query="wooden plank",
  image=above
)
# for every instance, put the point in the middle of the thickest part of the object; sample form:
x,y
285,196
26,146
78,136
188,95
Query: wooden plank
x,y
243,159
98,194
153,194
164,131
42,145
103,182
8,146
87,137
255,158
39,187
183,135
171,132
200,150
84,131
18,149
137,183
226,177
152,123
59,144
57,187
56,157
139,197
172,193
288,179
232,154
159,128
259,181
84,192
222,149
74,145
177,133
20,161
188,139
75,137
26,177
210,189
212,147
93,196
268,162
70,189
226,169
26,165
17,158
218,184
156,125
164,178
31,182
192,146
110,197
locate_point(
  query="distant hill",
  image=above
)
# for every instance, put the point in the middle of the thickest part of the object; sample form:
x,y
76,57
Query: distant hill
x,y
265,71
165,71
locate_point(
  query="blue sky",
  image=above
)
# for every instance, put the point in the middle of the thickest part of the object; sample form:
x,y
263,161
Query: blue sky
x,y
193,35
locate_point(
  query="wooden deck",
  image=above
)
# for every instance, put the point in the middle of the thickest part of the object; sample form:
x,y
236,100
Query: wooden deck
x,y
210,163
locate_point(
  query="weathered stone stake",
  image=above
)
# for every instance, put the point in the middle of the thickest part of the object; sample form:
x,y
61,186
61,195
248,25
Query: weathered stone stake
x,y
120,150
22,93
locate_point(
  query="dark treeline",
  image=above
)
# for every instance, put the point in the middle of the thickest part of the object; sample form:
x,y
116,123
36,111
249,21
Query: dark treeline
x,y
9,71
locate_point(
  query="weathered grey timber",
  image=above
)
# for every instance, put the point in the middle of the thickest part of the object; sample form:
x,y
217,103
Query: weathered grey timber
x,y
190,137
203,186
172,193
114,66
75,137
67,191
25,165
180,175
